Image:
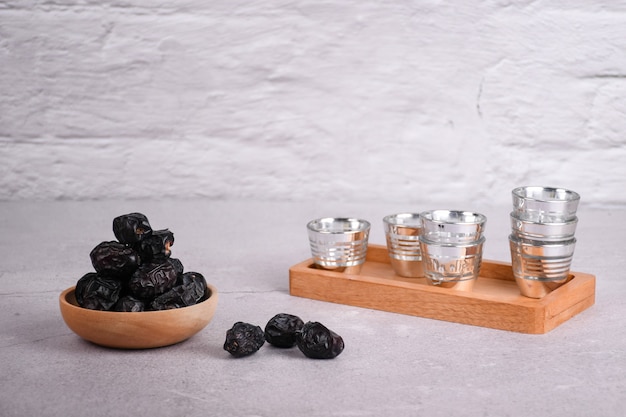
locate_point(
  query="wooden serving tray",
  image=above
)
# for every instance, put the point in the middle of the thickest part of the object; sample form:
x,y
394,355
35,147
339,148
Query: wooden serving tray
x,y
495,301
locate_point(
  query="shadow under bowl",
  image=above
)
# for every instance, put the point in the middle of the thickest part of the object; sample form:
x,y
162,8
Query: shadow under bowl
x,y
137,330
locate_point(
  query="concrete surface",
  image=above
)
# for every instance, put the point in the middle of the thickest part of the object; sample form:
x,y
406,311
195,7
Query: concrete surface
x,y
311,99
392,364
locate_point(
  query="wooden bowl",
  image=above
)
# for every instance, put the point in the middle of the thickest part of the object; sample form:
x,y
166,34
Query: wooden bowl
x,y
137,330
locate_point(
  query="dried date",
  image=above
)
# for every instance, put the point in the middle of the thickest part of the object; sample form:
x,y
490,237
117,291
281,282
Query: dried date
x,y
195,283
97,292
177,297
131,228
243,339
157,246
152,279
114,259
178,265
316,341
129,303
137,272
281,330
190,289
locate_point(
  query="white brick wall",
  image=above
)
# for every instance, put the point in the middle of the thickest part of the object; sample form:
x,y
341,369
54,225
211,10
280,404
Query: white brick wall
x,y
407,101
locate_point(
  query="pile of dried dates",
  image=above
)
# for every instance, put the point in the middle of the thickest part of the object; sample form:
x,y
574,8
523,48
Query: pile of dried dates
x,y
137,273
283,330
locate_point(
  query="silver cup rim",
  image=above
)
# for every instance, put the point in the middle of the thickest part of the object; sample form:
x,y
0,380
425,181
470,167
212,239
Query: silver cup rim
x,y
355,225
561,222
433,217
397,219
467,244
535,193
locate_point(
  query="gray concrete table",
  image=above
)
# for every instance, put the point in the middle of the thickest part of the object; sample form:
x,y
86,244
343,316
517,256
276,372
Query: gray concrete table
x,y
392,364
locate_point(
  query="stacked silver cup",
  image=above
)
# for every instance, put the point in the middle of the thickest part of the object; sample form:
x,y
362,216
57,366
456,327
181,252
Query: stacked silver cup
x,y
451,243
542,242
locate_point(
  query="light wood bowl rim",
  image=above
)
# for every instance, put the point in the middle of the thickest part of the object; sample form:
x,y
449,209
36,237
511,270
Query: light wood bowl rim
x,y
76,318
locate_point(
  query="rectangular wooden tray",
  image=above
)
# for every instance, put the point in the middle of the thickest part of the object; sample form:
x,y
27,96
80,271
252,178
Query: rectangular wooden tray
x,y
495,301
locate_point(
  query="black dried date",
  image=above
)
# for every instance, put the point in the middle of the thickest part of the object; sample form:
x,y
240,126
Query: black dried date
x,y
131,228
316,341
97,292
114,259
243,339
189,290
281,330
178,265
156,246
194,282
129,303
152,279
137,272
177,297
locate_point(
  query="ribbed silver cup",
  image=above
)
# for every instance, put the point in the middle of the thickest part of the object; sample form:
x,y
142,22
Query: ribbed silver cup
x,y
545,204
402,232
452,245
452,226
545,232
452,265
539,267
542,242
339,243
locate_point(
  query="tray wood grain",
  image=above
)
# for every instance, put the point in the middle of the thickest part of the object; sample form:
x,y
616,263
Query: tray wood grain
x,y
495,301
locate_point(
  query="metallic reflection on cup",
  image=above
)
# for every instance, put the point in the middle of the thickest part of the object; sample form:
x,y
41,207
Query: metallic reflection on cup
x,y
402,235
545,204
454,266
543,224
544,232
452,226
339,244
540,267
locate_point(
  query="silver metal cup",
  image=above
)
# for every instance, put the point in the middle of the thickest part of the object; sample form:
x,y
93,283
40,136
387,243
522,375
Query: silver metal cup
x,y
452,265
339,244
540,267
452,226
545,204
545,232
402,235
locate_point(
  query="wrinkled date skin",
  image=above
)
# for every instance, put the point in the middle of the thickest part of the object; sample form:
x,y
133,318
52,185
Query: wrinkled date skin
x,y
114,259
156,246
152,280
137,273
282,329
129,304
96,292
178,265
131,228
177,297
316,341
191,289
243,339
194,282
